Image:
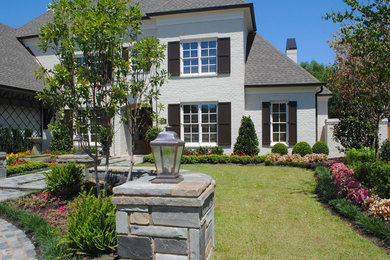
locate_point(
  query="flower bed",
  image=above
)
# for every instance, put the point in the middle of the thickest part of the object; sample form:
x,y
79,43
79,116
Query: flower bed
x,y
25,167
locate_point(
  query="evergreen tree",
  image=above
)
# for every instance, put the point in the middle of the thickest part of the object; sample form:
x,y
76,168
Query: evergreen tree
x,y
247,142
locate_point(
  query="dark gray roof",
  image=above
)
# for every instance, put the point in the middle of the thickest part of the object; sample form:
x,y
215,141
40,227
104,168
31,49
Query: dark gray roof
x,y
16,63
291,44
326,92
147,7
267,66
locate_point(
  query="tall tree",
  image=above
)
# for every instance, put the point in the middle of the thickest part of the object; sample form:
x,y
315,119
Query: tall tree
x,y
87,36
144,82
363,62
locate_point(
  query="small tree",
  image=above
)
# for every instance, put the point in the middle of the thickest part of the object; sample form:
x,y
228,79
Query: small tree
x,y
247,142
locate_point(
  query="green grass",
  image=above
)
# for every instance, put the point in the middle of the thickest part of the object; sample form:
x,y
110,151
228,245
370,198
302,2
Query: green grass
x,y
274,213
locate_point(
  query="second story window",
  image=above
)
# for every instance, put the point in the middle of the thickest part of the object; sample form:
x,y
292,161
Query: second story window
x,y
199,57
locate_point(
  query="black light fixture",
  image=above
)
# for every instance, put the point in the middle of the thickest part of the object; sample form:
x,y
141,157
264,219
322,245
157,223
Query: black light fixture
x,y
167,151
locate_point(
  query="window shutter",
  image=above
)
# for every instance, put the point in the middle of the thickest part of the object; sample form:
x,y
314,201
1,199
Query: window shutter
x,y
292,123
125,54
224,56
224,124
174,117
266,123
174,58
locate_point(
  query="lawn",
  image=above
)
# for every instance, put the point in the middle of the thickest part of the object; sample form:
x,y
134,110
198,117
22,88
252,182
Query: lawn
x,y
273,212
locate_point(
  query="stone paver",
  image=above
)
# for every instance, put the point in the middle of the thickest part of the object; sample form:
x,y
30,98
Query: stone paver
x,y
14,244
35,181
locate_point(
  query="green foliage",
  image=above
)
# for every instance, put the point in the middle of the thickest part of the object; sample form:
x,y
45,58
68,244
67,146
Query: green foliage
x,y
320,148
62,141
5,139
375,176
385,150
188,151
224,159
280,149
152,133
345,208
214,159
91,225
247,142
202,150
302,148
28,166
320,71
27,133
148,158
13,140
105,137
325,186
259,158
217,150
17,140
65,179
359,155
235,159
46,236
375,226
245,159
203,159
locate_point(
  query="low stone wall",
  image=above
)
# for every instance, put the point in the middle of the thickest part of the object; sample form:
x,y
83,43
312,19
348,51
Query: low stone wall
x,y
3,165
166,221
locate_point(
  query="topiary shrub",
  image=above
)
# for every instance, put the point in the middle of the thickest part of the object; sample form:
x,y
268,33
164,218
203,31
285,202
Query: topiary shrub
x,y
62,140
91,225
385,150
64,179
152,133
320,148
247,142
280,149
217,150
302,148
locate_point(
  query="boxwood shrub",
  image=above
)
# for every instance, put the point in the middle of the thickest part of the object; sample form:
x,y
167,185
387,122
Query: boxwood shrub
x,y
280,149
320,148
29,166
302,148
385,150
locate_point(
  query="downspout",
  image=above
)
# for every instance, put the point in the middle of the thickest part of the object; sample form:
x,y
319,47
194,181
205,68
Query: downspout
x,y
316,105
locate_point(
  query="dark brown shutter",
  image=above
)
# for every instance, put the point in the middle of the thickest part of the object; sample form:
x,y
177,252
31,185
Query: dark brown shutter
x,y
174,58
174,117
266,123
224,56
224,124
125,54
68,121
292,123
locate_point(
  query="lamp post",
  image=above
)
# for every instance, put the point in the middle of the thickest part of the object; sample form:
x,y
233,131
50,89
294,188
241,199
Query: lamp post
x,y
77,143
167,151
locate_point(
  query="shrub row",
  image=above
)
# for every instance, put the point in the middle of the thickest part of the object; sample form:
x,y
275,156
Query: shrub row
x,y
329,194
28,166
202,150
14,140
301,148
214,159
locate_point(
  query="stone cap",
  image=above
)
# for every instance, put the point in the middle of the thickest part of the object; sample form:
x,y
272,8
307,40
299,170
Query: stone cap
x,y
193,185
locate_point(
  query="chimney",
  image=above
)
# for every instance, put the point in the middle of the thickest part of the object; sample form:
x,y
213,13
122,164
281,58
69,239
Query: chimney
x,y
291,49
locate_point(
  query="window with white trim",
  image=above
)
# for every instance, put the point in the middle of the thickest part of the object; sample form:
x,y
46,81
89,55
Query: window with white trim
x,y
199,57
279,122
200,123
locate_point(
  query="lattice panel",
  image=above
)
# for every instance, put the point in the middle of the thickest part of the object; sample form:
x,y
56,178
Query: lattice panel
x,y
22,117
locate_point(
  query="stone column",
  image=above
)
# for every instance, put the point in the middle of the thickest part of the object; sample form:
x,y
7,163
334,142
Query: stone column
x,y
166,221
3,165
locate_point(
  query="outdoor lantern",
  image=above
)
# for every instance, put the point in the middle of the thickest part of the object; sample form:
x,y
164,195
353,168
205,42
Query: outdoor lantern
x,y
77,143
167,151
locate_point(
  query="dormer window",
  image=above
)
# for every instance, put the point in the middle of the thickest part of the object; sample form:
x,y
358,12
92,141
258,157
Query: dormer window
x,y
199,57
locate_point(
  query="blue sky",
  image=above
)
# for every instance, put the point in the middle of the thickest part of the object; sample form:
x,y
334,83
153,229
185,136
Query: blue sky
x,y
276,21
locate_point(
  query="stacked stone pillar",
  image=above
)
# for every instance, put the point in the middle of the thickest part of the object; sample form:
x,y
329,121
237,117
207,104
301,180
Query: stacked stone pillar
x,y
166,221
3,165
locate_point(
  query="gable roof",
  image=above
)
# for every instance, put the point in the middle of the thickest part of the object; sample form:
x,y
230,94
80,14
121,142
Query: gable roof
x,y
150,8
267,66
16,63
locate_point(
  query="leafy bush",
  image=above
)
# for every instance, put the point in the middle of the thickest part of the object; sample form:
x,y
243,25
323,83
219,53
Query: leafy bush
x,y
235,159
320,148
28,166
13,140
152,133
91,225
302,148
17,140
247,142
259,158
375,226
245,159
214,159
203,159
280,149
201,150
325,186
5,140
345,208
65,179
359,155
217,150
62,141
374,176
149,158
224,159
385,150
188,151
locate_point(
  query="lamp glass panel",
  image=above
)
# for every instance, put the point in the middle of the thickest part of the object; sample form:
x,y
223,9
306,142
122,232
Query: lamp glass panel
x,y
178,157
156,150
168,159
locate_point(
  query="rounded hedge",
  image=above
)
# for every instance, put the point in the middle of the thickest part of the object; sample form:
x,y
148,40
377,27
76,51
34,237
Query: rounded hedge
x,y
320,148
280,149
385,150
302,148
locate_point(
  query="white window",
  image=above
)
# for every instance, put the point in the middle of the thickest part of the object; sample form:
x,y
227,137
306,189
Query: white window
x,y
199,57
200,124
279,122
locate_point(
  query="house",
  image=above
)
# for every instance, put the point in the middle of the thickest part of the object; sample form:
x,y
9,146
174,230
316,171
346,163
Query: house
x,y
222,69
